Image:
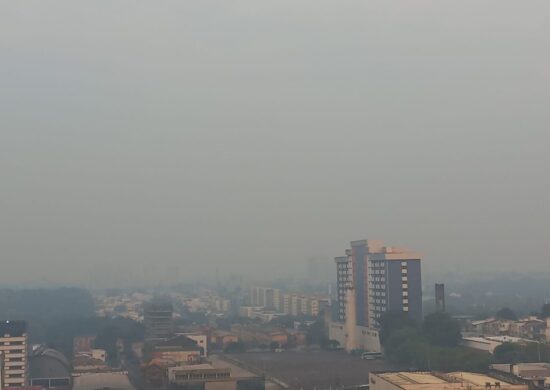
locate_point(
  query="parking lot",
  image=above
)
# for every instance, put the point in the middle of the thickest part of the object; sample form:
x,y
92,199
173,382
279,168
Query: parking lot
x,y
313,370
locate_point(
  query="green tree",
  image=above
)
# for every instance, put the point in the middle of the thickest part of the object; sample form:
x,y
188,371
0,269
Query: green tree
x,y
441,329
315,333
106,339
407,347
506,314
509,353
393,321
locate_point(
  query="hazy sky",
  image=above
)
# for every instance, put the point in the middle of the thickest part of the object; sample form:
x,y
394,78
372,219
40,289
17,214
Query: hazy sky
x,y
251,135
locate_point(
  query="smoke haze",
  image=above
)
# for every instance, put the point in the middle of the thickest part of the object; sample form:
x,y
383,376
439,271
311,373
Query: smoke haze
x,y
174,138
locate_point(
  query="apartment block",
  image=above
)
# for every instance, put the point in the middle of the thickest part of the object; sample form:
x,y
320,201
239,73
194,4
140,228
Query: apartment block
x,y
158,320
344,280
13,348
267,297
287,303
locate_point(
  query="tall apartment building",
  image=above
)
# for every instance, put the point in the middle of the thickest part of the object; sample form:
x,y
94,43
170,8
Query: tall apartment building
x,y
13,348
1,370
267,297
343,282
383,278
287,303
158,320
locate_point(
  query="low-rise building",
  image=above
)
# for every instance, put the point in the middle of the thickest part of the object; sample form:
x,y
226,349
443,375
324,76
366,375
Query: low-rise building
x,y
248,311
538,374
102,381
179,349
85,363
201,339
439,381
527,328
222,339
155,373
255,335
49,368
83,343
99,354
489,343
213,376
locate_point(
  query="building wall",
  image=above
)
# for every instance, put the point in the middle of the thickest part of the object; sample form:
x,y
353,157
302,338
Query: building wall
x,y
415,289
99,354
296,306
364,338
360,281
287,304
343,281
158,321
225,385
222,340
384,279
202,341
481,344
1,369
380,291
178,356
14,351
83,343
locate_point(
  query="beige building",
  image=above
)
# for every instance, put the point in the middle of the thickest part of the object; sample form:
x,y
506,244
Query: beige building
x,y
13,347
266,297
350,335
222,339
438,381
314,306
287,303
255,335
1,370
217,375
180,349
201,340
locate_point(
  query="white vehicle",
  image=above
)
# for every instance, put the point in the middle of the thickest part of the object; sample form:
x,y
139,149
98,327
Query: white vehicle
x,y
371,355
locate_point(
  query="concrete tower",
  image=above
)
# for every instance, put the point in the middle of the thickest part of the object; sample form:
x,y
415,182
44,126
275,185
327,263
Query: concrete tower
x,y
351,319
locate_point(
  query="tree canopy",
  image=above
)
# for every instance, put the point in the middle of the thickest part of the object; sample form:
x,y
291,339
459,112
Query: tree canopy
x,y
393,321
441,329
432,346
506,314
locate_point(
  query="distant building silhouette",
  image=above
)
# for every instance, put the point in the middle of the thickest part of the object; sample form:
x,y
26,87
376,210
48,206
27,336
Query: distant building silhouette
x,y
440,297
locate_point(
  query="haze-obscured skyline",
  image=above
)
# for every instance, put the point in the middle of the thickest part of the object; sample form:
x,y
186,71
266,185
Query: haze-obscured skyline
x,y
248,136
